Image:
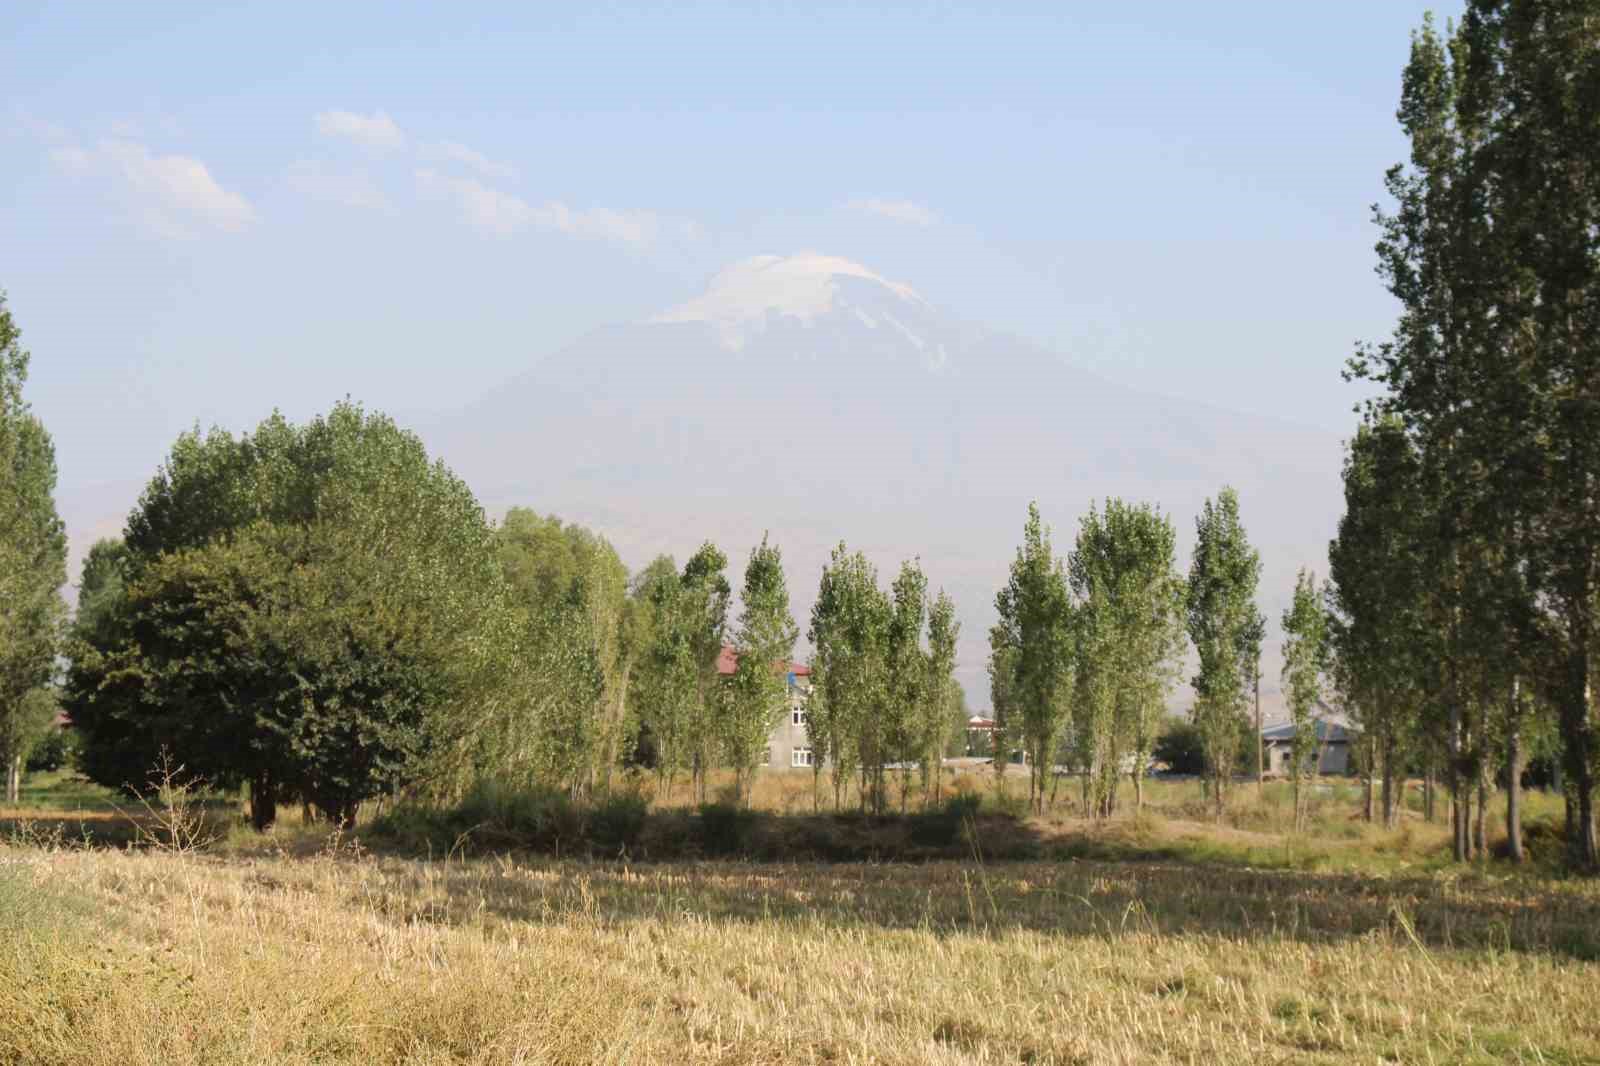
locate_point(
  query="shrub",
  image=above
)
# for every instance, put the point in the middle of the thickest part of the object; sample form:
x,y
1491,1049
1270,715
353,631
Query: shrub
x,y
618,821
1180,747
542,819
725,828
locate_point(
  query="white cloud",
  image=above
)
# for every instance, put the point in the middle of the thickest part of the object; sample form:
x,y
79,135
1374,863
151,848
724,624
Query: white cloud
x,y
353,189
376,131
454,152
899,210
172,192
503,214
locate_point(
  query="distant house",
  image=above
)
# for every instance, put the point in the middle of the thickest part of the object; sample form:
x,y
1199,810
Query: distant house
x,y
788,745
1333,746
980,735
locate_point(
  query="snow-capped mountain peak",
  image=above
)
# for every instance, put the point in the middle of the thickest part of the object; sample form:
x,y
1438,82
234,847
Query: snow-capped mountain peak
x,y
743,299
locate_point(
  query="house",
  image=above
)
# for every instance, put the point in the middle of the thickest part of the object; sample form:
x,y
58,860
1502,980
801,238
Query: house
x,y
1333,746
980,735
788,746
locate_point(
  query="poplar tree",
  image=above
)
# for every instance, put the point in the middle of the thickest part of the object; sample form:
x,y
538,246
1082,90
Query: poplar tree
x,y
1035,627
1378,637
1129,604
1224,626
764,643
941,711
1305,656
906,681
33,555
849,632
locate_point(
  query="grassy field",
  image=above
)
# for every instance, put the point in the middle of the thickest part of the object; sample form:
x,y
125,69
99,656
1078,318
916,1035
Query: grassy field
x,y
135,957
1167,939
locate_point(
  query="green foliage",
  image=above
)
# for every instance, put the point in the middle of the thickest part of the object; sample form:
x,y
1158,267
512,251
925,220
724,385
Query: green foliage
x,y
906,673
1129,639
1226,629
685,625
850,634
1181,746
943,715
1034,639
317,610
33,553
572,586
1305,661
756,696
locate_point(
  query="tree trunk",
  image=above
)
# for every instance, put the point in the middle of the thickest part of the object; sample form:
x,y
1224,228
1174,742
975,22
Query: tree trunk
x,y
263,802
1514,792
1369,777
14,780
1577,728
1389,795
1429,813
1261,767
1480,827
1460,796
1138,790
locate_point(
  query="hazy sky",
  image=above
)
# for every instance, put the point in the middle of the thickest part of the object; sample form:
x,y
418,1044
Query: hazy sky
x,y
212,213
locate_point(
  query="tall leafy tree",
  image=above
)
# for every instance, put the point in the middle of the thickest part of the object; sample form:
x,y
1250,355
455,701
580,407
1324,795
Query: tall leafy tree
x,y
943,714
1378,637
1129,638
1224,626
906,665
1035,626
703,612
764,642
1305,661
33,554
1490,250
849,632
575,586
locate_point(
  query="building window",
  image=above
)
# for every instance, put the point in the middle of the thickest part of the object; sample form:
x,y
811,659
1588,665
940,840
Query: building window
x,y
798,716
800,757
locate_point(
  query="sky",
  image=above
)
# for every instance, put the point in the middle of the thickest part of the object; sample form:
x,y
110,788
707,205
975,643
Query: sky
x,y
212,213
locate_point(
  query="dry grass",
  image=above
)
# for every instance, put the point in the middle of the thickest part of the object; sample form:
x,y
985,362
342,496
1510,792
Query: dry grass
x,y
344,957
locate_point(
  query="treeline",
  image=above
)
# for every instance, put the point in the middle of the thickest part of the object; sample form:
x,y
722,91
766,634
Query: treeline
x,y
1089,647
323,614
1467,566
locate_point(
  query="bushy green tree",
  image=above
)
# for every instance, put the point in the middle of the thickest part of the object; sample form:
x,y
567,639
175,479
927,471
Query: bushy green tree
x,y
314,609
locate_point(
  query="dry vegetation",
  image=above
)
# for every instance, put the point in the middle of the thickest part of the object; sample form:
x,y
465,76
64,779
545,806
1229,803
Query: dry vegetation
x,y
306,948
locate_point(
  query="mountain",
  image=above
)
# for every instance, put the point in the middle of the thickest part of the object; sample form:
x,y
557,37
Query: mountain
x,y
809,397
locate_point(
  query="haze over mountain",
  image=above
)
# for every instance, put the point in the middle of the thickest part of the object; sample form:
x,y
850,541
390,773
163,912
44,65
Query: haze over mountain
x,y
808,397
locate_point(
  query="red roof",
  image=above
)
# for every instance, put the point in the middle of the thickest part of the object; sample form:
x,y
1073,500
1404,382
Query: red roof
x,y
728,660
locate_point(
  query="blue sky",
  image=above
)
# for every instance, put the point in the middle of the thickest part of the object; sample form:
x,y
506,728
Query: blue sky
x,y
214,213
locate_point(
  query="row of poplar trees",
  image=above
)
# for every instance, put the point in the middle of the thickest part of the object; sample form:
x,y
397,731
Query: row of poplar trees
x,y
1088,648
1467,565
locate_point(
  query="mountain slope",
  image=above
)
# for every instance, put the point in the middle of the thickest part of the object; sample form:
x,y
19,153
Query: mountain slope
x,y
813,399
